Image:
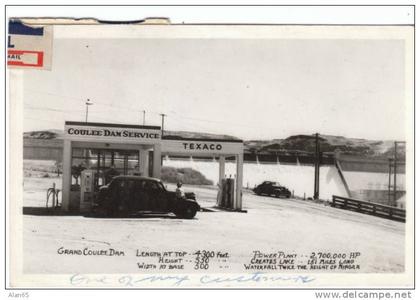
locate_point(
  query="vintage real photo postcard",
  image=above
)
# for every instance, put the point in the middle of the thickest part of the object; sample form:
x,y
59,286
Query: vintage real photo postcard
x,y
156,155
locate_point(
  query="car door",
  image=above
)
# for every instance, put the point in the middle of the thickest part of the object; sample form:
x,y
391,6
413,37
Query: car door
x,y
110,201
142,196
158,197
150,195
265,188
125,195
120,196
131,195
163,198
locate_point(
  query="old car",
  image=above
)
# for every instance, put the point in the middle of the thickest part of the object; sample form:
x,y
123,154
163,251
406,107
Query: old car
x,y
272,188
130,195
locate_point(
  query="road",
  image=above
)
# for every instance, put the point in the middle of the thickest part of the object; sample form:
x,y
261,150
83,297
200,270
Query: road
x,y
270,225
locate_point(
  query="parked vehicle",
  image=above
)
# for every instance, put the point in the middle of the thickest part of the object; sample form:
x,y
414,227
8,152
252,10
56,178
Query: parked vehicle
x,y
272,188
129,195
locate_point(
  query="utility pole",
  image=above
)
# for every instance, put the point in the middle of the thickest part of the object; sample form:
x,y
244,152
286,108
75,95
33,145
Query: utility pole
x,y
395,172
395,169
87,108
163,122
316,163
85,151
144,117
389,180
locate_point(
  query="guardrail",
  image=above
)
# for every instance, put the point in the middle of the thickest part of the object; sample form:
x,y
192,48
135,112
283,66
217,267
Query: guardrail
x,y
371,208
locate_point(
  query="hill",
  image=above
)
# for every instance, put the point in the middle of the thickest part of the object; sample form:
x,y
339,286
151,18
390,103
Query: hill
x,y
328,143
290,145
44,134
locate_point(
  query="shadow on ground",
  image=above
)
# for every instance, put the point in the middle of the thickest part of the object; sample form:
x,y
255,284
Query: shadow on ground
x,y
43,211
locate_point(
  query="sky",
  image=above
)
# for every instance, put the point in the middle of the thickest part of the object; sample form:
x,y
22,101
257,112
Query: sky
x,y
248,88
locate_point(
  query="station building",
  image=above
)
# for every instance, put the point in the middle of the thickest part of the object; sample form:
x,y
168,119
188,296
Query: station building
x,y
97,148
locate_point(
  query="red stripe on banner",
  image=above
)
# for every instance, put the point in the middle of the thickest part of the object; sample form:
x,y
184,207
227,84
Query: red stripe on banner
x,y
39,63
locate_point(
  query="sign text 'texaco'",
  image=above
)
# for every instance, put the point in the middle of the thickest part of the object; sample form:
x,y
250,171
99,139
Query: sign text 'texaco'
x,y
202,146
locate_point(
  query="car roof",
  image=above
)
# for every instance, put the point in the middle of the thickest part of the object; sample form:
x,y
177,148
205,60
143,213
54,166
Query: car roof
x,y
275,183
134,177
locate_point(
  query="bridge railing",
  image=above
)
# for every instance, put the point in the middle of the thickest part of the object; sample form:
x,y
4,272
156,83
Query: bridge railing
x,y
371,208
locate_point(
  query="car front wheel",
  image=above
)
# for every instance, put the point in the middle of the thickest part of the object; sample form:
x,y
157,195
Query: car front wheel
x,y
187,212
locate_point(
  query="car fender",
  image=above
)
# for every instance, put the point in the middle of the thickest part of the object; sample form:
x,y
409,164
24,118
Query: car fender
x,y
192,203
182,203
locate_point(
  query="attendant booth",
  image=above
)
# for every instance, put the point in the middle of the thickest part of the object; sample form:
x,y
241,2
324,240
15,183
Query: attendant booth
x,y
95,152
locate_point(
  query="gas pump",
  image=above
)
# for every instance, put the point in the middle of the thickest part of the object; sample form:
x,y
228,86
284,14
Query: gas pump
x,y
227,193
87,189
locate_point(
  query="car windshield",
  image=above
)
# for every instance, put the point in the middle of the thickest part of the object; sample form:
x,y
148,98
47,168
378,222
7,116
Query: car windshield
x,y
162,187
115,183
153,185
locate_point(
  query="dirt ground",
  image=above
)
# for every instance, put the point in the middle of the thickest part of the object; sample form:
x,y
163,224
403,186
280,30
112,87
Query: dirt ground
x,y
269,225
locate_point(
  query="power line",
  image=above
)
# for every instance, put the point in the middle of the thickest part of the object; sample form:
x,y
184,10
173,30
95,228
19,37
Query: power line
x,y
56,95
45,109
224,122
81,99
50,121
123,107
50,109
130,109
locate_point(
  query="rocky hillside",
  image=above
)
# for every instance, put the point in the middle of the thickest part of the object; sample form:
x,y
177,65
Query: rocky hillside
x,y
44,134
292,144
198,135
328,143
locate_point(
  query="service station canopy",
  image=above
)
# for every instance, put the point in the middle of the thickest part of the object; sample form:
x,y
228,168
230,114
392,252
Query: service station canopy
x,y
123,136
137,134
